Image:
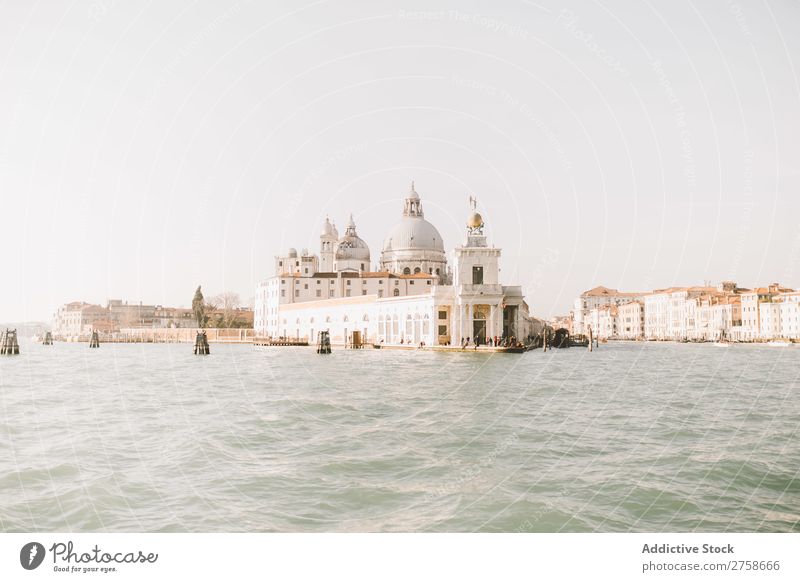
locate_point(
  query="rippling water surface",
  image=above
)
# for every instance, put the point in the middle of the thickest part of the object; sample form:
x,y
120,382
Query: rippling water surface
x,y
632,437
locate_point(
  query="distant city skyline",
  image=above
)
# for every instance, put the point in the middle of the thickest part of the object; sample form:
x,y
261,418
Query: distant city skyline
x,y
145,150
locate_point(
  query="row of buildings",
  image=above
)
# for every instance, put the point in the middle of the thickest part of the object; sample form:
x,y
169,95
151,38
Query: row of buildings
x,y
79,319
415,293
699,313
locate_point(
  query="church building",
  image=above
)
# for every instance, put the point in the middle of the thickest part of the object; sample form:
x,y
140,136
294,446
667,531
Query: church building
x,y
416,296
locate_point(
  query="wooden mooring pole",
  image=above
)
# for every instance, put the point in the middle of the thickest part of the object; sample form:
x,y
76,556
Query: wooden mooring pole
x,y
201,347
324,343
94,342
9,346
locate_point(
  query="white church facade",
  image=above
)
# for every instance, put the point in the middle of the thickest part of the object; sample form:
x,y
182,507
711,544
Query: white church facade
x,y
415,296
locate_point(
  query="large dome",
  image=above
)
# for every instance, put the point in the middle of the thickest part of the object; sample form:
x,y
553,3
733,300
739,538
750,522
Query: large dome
x,y
414,232
414,245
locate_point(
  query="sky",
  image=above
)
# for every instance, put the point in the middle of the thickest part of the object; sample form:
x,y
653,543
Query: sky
x,y
150,147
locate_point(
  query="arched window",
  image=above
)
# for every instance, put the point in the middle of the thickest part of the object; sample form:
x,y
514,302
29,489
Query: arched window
x,y
397,292
437,271
406,271
417,270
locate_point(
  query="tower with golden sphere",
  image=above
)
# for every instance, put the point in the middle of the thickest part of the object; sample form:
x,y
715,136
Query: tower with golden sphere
x,y
476,277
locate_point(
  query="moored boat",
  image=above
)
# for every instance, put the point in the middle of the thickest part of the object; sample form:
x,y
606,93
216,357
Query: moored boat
x,y
779,344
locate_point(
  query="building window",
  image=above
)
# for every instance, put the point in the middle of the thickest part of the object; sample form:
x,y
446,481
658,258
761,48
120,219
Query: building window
x,y
348,281
283,281
411,282
331,281
319,293
283,292
305,286
406,271
417,270
362,266
380,281
306,270
364,282
297,292
477,275
380,292
437,271
318,281
429,282
280,263
297,263
347,293
397,292
331,293
442,330
364,292
442,315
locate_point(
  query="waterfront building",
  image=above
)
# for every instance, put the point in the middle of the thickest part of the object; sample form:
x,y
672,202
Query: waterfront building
x,y
670,314
562,322
594,299
631,320
789,306
78,318
605,322
699,313
416,296
752,303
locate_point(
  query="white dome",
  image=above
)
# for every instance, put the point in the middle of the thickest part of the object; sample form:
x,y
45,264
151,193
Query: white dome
x,y
352,248
414,232
293,253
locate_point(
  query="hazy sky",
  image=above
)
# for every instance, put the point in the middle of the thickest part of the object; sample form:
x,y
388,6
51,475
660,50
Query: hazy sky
x,y
146,148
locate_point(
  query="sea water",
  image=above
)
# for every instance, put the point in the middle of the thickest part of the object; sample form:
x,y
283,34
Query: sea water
x,y
631,437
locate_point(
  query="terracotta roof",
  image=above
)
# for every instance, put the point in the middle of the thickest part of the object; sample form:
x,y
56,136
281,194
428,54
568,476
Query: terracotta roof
x,y
601,291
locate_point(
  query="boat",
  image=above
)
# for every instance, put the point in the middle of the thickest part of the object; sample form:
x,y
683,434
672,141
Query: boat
x,y
722,342
779,344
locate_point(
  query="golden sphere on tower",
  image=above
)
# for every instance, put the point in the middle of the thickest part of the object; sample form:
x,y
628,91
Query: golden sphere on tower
x,y
475,220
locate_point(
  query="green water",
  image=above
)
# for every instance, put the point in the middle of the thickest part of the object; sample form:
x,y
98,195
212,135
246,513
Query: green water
x,y
632,437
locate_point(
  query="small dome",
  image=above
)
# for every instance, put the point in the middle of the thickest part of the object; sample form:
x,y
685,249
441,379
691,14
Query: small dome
x,y
304,253
327,227
292,253
350,246
475,220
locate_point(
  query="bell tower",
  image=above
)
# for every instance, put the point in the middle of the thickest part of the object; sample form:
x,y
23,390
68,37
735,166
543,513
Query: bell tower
x,y
327,246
